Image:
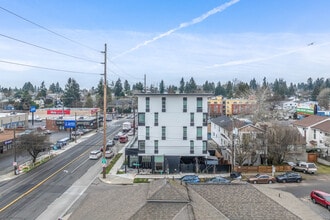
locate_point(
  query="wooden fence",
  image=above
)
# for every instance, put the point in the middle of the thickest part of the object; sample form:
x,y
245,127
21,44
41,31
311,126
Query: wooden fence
x,y
262,169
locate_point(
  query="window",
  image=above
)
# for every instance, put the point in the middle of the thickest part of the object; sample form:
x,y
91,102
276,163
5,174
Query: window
x,y
163,133
204,147
185,133
204,119
199,104
191,147
141,119
314,134
147,104
156,118
184,104
192,119
163,104
147,132
199,133
142,146
156,146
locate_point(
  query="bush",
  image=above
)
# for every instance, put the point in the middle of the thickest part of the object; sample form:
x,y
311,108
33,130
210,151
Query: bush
x,y
141,180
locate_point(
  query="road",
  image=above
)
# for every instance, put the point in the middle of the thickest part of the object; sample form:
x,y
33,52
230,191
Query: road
x,y
303,189
28,195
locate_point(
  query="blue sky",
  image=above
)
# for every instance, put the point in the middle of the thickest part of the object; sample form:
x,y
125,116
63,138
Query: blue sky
x,y
214,40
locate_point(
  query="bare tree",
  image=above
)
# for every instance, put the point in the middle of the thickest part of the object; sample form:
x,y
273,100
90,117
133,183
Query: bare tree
x,y
34,143
324,98
279,139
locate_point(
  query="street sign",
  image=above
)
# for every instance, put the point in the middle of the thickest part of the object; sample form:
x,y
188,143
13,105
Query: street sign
x,y
32,108
69,124
104,161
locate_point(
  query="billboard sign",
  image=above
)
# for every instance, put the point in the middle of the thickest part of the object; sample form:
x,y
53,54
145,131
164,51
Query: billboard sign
x,y
58,112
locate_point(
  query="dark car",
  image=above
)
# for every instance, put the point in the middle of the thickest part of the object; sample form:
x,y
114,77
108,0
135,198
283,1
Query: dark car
x,y
218,180
322,198
289,177
262,178
236,175
190,179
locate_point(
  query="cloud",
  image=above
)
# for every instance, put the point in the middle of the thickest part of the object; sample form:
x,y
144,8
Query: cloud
x,y
181,26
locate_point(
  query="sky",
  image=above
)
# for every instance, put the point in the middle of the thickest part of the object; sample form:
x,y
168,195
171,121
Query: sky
x,y
207,40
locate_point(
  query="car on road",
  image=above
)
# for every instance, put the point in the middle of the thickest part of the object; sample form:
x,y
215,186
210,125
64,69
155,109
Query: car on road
x,y
262,178
320,197
289,177
109,154
110,143
190,179
305,167
95,155
116,137
123,139
218,180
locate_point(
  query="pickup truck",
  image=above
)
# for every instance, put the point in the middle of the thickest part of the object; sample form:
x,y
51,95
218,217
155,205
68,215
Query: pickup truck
x,y
305,167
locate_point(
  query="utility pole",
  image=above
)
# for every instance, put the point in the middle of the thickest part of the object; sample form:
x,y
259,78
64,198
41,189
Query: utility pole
x,y
104,112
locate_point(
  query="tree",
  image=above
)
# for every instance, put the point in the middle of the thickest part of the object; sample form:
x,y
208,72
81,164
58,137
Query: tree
x,y
34,143
161,87
279,138
89,101
71,96
138,86
127,87
28,87
118,89
42,91
100,94
182,85
324,98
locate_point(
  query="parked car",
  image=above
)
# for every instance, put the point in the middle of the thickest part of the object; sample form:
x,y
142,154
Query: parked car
x,y
47,132
262,178
289,177
291,164
305,167
95,154
109,154
190,179
322,198
219,180
236,175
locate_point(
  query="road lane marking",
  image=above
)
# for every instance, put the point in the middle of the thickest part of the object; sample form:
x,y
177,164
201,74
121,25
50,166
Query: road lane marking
x,y
42,182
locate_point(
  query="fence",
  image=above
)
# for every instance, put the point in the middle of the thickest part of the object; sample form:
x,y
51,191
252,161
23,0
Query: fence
x,y
262,169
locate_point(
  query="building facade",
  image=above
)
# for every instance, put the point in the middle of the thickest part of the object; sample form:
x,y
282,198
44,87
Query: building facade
x,y
172,131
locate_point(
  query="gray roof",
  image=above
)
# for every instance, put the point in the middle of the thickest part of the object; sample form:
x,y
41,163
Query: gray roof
x,y
169,199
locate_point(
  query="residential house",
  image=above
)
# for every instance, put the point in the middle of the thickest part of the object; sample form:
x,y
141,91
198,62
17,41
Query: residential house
x,y
172,132
315,129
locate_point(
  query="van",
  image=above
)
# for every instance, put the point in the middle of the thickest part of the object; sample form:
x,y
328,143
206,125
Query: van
x,y
95,154
123,139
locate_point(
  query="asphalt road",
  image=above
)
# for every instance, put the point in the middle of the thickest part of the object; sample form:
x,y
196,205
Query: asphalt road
x,y
28,195
302,190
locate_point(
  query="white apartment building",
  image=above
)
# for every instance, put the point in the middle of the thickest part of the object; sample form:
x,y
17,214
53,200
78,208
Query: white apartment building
x,y
172,130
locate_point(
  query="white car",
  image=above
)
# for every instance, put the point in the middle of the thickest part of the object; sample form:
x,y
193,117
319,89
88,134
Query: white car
x,y
95,154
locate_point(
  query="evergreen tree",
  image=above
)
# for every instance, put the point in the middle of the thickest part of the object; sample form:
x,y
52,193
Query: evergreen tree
x,y
118,89
182,85
71,96
161,87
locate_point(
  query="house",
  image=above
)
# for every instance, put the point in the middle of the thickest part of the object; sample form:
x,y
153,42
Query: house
x,y
315,129
172,132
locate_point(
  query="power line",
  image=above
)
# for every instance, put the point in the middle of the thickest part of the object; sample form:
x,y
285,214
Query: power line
x,y
53,32
48,68
51,50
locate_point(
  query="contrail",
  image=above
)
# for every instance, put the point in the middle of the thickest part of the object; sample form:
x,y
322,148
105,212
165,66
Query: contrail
x,y
254,60
182,25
